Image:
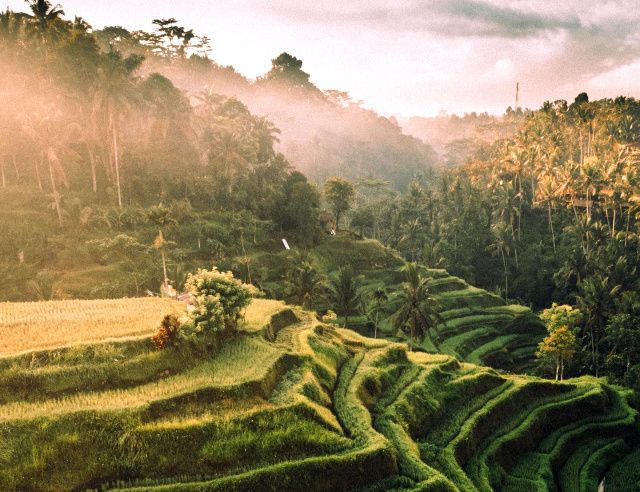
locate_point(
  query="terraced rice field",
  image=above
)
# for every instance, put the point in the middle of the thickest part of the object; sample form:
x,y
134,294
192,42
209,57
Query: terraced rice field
x,y
39,325
290,403
478,326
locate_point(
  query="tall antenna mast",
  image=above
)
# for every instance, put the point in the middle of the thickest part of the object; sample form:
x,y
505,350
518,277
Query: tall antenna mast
x,y
517,94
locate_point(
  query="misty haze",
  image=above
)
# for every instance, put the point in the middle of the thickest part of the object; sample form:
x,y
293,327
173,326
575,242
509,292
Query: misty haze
x,y
304,246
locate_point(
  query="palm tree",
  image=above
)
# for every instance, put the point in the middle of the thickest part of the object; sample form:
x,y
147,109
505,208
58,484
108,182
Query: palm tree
x,y
44,12
52,137
266,135
162,218
344,292
418,310
590,180
113,95
595,301
304,283
378,300
546,193
500,246
506,209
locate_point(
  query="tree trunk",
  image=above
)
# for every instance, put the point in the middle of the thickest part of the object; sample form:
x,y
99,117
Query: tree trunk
x,y
38,170
54,191
506,277
92,160
593,351
613,223
553,235
557,369
15,166
411,339
164,268
626,235
561,369
116,161
246,258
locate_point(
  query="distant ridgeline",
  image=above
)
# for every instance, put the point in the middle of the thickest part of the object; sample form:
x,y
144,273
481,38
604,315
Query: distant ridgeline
x,y
290,403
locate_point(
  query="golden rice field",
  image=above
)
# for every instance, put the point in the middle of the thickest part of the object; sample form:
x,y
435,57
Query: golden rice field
x,y
259,313
26,326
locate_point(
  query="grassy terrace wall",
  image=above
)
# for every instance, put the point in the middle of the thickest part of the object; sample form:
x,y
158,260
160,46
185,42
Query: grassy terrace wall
x,y
293,404
479,327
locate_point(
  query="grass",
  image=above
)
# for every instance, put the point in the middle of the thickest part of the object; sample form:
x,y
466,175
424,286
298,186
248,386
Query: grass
x,y
259,316
229,368
289,403
42,325
624,476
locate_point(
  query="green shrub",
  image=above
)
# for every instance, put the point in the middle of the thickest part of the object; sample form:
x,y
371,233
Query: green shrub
x,y
218,299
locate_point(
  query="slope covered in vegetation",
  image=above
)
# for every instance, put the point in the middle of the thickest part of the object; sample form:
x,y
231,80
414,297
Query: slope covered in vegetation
x,y
476,326
289,403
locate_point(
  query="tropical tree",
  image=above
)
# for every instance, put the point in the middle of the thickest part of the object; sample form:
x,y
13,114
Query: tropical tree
x,y
595,300
162,218
623,335
44,12
560,345
344,292
501,246
340,194
114,94
418,311
304,284
378,300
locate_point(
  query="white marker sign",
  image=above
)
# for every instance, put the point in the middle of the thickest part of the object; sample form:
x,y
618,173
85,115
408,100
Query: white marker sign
x,y
286,244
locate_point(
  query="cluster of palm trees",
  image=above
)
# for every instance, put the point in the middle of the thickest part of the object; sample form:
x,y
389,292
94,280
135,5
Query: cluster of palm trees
x,y
412,310
77,117
551,215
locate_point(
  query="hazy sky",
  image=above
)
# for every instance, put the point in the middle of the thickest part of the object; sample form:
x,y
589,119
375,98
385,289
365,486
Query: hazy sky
x,y
415,57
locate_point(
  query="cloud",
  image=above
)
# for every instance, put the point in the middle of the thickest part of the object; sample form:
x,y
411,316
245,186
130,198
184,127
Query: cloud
x,y
445,17
624,78
476,18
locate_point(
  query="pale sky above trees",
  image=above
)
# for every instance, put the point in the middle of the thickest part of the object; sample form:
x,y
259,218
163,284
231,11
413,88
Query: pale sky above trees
x,y
414,57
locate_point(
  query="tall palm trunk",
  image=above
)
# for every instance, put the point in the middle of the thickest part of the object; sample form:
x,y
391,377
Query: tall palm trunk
x,y
506,276
164,268
35,162
54,188
164,262
594,354
553,235
411,334
116,160
613,222
92,160
15,166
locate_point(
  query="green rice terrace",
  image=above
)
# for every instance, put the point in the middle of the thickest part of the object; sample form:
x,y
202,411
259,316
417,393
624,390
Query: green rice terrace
x,y
477,326
290,403
480,328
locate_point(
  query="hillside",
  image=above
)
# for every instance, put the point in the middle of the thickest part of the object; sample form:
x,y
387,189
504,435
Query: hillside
x,y
458,139
477,327
291,403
